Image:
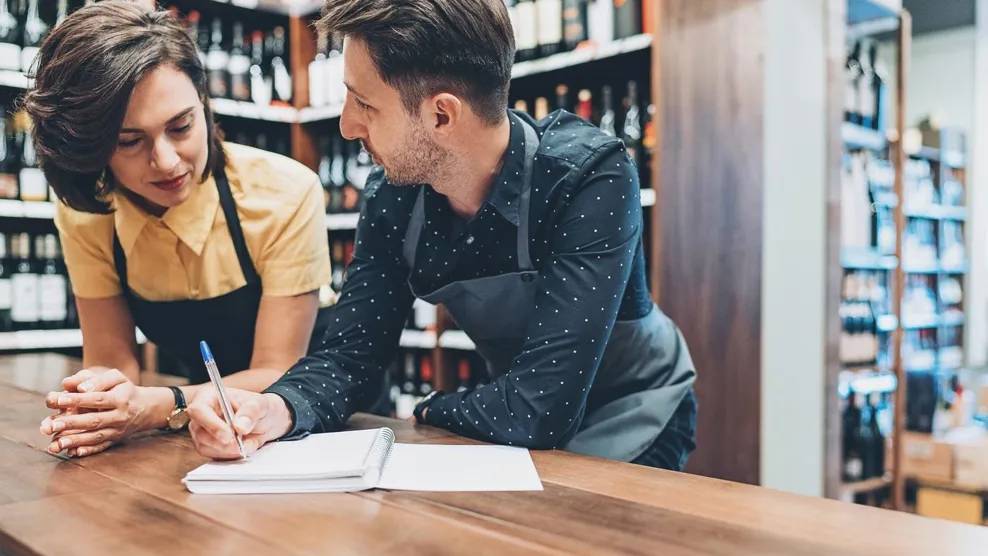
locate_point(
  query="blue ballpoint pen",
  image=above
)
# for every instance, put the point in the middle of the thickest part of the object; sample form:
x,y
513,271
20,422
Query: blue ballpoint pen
x,y
214,377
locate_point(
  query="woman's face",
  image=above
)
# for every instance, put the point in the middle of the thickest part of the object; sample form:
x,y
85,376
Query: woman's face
x,y
163,147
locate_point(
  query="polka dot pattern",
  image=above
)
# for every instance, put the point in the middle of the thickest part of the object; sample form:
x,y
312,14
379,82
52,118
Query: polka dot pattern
x,y
585,240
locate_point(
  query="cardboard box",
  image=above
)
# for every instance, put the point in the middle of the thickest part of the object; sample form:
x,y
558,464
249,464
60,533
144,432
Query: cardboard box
x,y
927,457
971,458
945,504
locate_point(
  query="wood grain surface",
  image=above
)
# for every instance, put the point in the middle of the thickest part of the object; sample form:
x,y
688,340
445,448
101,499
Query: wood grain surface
x,y
130,500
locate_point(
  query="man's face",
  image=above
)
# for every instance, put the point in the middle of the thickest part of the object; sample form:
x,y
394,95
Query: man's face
x,y
374,114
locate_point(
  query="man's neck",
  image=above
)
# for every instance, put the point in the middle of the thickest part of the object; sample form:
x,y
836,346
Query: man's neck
x,y
475,171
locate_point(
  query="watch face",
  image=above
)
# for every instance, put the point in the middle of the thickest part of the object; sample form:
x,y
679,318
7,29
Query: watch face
x,y
179,419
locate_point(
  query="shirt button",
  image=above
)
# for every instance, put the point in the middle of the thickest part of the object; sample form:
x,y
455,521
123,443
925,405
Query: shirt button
x,y
470,240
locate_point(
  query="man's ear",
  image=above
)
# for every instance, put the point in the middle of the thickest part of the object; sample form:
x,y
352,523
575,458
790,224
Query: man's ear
x,y
445,112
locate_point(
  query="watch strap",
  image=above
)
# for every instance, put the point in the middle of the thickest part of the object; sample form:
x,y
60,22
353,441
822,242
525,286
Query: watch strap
x,y
422,405
179,397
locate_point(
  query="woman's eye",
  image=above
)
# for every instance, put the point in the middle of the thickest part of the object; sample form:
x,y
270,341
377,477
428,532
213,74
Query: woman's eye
x,y
128,143
183,129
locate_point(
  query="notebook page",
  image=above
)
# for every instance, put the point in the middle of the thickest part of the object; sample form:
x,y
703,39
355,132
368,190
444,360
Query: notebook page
x,y
335,454
433,467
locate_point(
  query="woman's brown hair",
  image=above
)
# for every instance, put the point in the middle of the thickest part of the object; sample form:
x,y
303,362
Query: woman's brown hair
x,y
87,68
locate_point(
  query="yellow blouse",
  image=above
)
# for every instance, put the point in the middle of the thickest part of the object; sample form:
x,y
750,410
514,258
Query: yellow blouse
x,y
188,253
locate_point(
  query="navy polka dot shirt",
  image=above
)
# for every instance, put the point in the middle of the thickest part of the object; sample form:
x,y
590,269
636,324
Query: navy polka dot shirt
x,y
585,241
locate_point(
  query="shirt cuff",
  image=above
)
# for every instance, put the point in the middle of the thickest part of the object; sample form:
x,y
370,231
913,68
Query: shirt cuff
x,y
303,418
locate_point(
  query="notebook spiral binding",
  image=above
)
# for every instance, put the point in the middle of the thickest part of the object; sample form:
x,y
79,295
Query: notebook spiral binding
x,y
381,449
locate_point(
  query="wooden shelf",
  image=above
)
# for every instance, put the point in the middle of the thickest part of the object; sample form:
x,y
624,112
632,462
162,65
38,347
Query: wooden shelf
x,y
418,339
47,339
858,137
26,209
866,259
456,339
252,111
319,113
581,55
849,490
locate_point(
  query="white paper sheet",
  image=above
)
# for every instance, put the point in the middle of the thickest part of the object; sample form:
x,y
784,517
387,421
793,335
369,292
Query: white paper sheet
x,y
437,467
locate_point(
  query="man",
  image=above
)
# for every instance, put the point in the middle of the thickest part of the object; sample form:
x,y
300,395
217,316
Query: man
x,y
529,233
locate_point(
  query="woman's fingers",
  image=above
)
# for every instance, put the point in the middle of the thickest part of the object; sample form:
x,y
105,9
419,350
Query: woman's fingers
x,y
90,450
95,400
71,383
84,438
87,421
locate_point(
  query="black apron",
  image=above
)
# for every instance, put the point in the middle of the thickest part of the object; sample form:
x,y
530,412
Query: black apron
x,y
226,322
646,370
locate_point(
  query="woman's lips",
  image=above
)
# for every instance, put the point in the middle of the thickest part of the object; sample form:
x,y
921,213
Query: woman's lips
x,y
171,185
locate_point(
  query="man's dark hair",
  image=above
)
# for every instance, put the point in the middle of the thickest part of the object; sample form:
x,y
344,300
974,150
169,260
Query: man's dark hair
x,y
87,69
425,47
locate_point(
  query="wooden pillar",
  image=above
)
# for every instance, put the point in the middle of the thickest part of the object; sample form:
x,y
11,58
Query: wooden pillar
x,y
709,57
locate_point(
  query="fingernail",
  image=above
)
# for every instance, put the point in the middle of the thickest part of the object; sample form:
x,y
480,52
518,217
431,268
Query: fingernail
x,y
84,387
242,423
57,426
54,448
65,443
64,399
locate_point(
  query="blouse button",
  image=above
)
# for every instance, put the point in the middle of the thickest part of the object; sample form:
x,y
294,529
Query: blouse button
x,y
470,240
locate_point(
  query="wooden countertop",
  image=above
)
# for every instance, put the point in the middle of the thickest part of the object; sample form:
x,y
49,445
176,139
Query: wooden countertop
x,y
129,500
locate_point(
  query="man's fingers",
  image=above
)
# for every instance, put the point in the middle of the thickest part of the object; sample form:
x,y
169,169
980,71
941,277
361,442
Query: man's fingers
x,y
247,416
103,381
86,421
206,413
95,400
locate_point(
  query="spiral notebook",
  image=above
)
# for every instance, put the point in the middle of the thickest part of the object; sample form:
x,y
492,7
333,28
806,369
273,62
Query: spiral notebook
x,y
364,459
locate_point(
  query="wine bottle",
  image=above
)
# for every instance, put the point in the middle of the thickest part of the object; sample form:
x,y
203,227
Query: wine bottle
x,y
866,91
6,289
852,74
527,44
339,264
631,132
562,103
607,118
851,440
325,165
279,68
52,285
463,373
601,21
575,29
10,38
541,108
351,192
627,18
239,66
880,92
521,106
318,80
260,82
337,176
31,180
8,162
35,30
217,61
584,105
425,375
877,437
192,22
24,283
336,90
550,21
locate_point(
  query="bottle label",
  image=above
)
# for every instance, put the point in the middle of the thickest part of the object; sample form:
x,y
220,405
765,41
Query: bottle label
x,y
853,469
53,298
550,21
34,187
528,37
6,294
10,56
239,79
25,303
282,81
8,186
28,55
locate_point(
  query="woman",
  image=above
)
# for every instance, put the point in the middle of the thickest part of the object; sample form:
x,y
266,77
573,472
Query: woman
x,y
165,226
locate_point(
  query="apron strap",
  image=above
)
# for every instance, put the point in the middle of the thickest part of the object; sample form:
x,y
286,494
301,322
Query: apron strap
x,y
229,207
236,232
524,257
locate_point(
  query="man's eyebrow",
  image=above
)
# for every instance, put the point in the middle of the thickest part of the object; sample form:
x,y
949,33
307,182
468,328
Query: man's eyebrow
x,y
172,120
352,90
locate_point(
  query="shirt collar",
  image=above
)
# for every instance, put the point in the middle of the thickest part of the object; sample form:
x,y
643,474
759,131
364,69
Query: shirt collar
x,y
505,196
190,221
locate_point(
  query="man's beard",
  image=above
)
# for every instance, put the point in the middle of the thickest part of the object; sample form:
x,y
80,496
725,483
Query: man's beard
x,y
418,160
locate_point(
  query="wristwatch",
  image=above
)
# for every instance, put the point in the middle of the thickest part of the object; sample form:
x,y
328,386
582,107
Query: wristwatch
x,y
423,405
179,418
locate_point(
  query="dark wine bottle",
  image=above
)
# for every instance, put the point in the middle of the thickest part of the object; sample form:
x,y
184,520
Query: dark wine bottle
x,y
627,18
24,283
6,288
52,285
8,162
279,68
631,132
575,28
217,61
239,66
260,80
607,117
